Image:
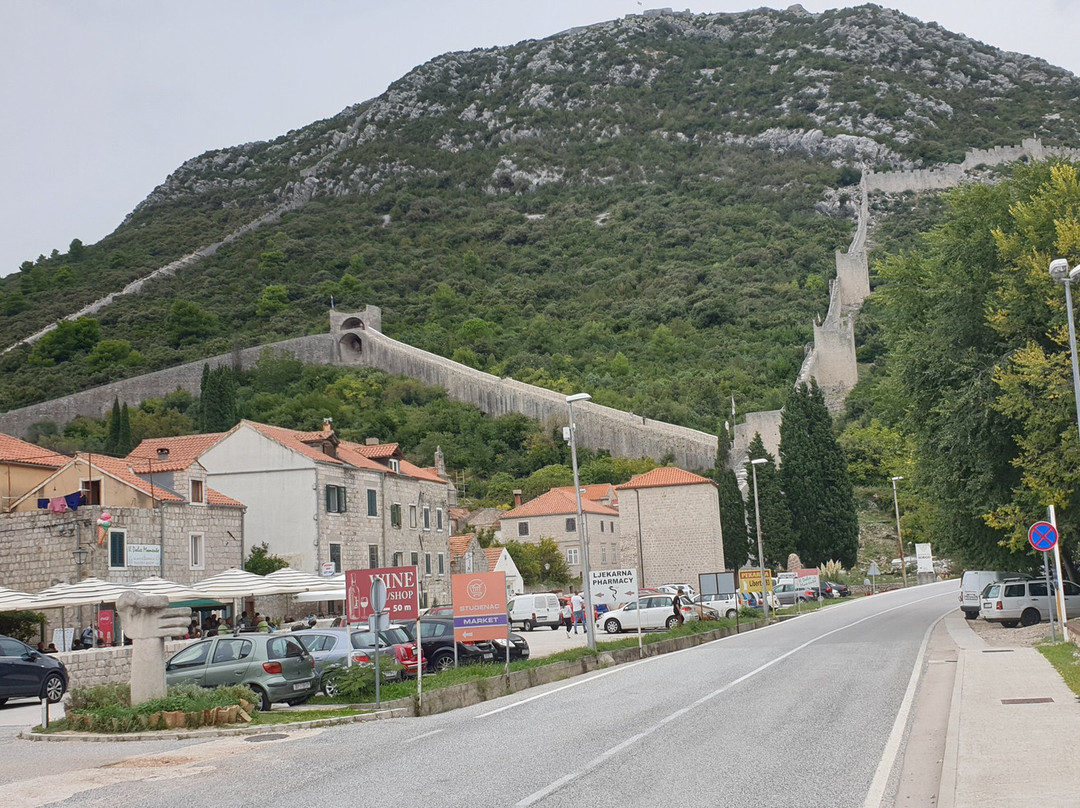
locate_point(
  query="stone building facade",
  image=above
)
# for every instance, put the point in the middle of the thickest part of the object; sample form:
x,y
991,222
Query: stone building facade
x,y
670,526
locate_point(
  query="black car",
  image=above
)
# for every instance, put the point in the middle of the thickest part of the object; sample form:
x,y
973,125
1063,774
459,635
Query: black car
x,y
28,673
839,590
437,639
519,649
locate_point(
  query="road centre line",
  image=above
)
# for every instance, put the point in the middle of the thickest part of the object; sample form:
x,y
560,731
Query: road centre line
x,y
421,737
608,754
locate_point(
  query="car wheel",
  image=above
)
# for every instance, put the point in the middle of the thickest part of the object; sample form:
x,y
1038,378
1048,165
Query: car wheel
x,y
442,662
556,628
53,688
971,615
529,625
329,686
1030,617
612,626
730,613
1009,623
671,622
265,705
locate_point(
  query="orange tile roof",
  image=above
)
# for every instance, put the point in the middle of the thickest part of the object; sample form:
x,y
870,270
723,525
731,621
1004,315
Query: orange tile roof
x,y
217,498
292,439
13,450
493,555
594,491
347,452
122,471
183,450
556,502
459,545
663,477
422,474
377,450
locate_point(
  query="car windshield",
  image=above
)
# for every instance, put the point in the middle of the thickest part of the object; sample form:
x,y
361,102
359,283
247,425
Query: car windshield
x,y
365,639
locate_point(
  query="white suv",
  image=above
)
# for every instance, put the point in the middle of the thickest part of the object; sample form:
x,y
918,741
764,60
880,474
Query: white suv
x,y
1024,601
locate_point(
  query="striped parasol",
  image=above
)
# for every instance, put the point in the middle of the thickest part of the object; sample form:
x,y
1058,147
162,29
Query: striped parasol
x,y
155,585
87,592
298,581
12,600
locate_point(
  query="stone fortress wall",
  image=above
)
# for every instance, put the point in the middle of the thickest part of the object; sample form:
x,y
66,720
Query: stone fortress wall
x,y
356,339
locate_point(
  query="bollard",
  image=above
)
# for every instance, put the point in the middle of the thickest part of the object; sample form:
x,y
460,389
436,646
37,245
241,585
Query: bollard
x,y
44,713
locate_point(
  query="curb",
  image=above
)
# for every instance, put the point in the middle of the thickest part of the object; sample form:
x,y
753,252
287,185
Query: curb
x,y
950,757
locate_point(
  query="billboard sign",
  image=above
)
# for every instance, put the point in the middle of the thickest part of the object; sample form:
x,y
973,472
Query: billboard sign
x,y
612,588
401,593
479,606
924,559
808,578
750,580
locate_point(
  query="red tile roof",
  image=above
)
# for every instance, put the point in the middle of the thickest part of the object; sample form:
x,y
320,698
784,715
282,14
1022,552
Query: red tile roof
x,y
594,492
347,452
295,440
493,555
13,450
183,450
122,471
662,477
556,502
377,451
217,498
459,545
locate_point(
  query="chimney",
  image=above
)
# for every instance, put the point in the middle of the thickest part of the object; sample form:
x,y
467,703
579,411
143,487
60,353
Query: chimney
x,y
371,441
328,424
517,497
163,453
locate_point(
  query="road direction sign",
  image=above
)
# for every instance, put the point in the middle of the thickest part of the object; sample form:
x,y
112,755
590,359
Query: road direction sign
x,y
873,571
1042,536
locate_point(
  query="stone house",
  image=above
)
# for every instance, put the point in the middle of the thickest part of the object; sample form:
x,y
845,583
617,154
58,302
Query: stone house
x,y
670,526
466,555
316,499
554,516
499,560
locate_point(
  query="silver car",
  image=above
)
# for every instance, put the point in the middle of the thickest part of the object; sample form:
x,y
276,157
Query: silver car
x,y
1025,601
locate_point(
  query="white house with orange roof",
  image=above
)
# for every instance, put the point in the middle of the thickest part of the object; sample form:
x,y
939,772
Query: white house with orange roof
x,y
670,526
153,528
318,500
554,516
500,560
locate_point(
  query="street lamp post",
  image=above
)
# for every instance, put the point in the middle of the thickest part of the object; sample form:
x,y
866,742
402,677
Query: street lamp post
x,y
899,541
590,628
79,554
760,554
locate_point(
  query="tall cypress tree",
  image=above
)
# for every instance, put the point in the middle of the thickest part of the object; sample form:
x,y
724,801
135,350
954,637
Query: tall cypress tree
x,y
112,436
124,441
733,521
816,483
777,538
217,400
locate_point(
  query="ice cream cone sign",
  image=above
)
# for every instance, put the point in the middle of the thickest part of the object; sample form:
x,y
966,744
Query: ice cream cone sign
x,y
104,522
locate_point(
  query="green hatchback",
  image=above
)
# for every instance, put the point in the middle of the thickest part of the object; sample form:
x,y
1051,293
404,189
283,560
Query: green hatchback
x,y
276,666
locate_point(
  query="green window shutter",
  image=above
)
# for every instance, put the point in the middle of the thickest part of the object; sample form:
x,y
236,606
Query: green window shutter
x,y
341,499
329,505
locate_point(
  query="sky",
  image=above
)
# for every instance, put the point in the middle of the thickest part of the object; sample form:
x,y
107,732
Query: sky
x,y
102,99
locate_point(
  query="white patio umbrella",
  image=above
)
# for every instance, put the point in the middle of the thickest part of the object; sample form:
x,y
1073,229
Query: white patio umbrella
x,y
155,585
87,592
298,581
12,600
234,584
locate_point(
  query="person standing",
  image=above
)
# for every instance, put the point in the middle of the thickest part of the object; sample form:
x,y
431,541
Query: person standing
x,y
578,604
676,605
567,616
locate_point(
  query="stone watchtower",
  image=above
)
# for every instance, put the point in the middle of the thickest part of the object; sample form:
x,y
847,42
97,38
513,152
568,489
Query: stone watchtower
x,y
349,333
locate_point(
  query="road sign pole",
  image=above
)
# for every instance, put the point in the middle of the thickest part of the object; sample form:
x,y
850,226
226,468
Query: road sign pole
x,y
1060,581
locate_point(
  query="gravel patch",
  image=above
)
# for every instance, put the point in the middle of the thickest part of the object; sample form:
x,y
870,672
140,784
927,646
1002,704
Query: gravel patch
x,y
997,635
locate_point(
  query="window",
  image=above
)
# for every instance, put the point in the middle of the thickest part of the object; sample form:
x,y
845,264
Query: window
x,y
395,465
571,555
399,559
117,548
373,556
468,562
614,554
335,499
414,559
601,525
372,502
571,524
198,493
412,516
442,564
195,541
603,552
91,492
612,524
335,555
427,563
395,515
438,518
427,518
523,528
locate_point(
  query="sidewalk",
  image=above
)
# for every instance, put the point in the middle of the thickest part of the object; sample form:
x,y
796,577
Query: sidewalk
x,y
1013,728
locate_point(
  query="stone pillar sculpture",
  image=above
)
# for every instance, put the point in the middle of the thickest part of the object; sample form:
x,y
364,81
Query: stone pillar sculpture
x,y
148,620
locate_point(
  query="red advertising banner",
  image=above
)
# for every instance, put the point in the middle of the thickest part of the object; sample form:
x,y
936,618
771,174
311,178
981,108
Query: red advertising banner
x,y
479,605
105,625
401,583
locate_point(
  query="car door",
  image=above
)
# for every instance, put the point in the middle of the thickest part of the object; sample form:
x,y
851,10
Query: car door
x,y
19,675
229,662
1072,599
189,664
655,611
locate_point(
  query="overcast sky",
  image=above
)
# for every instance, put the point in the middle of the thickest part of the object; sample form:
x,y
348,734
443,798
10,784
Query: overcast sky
x,y
102,99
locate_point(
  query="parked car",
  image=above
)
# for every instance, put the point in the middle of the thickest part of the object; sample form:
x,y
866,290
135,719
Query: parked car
x,y
535,609
753,600
333,647
726,605
839,590
673,589
276,667
655,612
519,648
27,673
973,584
440,611
437,635
1025,601
788,594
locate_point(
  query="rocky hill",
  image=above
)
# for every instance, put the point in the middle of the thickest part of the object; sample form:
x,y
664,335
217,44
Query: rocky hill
x,y
646,208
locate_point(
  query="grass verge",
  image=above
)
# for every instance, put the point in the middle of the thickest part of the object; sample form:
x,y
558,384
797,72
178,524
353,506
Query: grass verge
x,y
1063,656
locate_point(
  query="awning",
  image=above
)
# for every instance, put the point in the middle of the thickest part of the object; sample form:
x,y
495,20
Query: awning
x,y
202,603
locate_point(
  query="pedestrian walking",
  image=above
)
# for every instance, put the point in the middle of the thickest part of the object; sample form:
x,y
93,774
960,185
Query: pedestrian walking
x,y
676,605
567,616
578,604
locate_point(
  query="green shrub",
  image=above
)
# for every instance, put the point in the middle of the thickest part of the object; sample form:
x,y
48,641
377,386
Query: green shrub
x,y
107,708
357,682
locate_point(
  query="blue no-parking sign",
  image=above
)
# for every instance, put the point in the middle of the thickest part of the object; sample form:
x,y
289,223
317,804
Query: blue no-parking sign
x,y
1042,536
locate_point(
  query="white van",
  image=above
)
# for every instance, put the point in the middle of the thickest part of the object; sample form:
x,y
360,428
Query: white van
x,y
972,584
530,611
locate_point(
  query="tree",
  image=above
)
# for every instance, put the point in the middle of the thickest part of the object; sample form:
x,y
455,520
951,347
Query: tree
x,y
188,324
124,443
539,563
543,480
67,341
260,561
112,434
737,544
814,475
217,400
777,538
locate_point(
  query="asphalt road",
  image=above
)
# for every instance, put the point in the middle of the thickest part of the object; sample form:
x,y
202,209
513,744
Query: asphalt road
x,y
803,712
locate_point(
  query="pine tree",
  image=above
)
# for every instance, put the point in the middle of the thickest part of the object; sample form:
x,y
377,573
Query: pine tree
x,y
112,437
777,537
217,401
124,442
815,480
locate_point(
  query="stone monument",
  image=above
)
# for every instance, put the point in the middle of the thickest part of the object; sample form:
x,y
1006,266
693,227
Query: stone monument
x,y
148,620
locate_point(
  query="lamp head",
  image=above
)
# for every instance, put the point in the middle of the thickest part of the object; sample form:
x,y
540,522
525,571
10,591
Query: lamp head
x,y
578,397
1059,270
761,461
896,479
1075,273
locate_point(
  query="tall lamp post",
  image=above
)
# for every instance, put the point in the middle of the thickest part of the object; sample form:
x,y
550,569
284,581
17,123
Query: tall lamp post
x,y
760,554
79,554
1059,271
590,628
899,541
